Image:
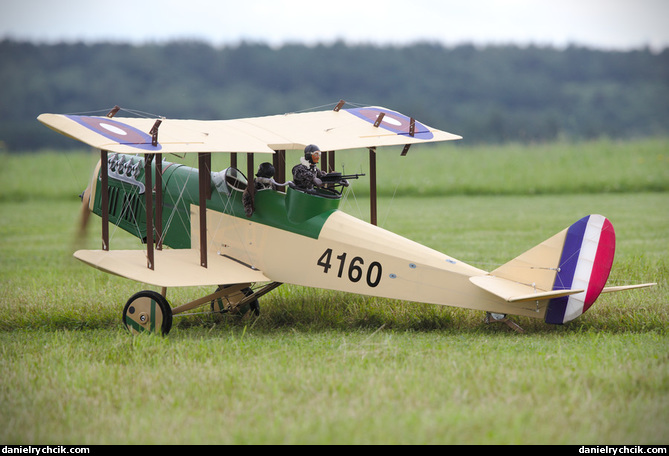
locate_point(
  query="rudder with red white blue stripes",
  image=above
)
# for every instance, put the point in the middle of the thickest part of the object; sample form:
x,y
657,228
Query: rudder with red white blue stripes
x,y
585,263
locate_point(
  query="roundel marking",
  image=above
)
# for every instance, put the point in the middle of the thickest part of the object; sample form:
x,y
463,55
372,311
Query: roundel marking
x,y
117,131
113,129
392,121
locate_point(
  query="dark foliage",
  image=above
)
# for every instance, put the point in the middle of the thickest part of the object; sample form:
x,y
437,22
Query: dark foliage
x,y
492,94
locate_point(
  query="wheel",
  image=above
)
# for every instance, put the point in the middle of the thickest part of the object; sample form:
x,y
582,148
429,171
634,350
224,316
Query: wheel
x,y
147,311
219,305
252,306
229,303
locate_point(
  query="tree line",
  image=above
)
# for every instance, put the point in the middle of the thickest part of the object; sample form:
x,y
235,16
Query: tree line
x,y
485,94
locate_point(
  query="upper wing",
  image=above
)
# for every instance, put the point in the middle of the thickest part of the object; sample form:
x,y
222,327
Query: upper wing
x,y
339,130
131,135
330,130
173,268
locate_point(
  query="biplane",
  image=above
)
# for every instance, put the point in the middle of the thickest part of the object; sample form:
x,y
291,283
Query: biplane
x,y
198,231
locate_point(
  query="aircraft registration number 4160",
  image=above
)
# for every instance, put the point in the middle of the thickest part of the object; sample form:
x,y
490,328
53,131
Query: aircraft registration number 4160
x,y
354,270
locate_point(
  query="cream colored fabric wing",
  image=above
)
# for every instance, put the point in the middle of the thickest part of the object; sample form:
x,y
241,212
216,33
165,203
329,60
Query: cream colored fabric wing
x,y
330,130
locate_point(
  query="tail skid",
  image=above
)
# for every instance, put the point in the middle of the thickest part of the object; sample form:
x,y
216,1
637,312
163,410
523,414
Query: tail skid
x,y
569,270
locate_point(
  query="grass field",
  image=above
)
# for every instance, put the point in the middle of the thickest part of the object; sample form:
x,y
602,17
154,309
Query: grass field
x,y
328,368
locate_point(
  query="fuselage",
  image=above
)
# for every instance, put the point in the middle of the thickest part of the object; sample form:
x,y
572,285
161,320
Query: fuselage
x,y
295,237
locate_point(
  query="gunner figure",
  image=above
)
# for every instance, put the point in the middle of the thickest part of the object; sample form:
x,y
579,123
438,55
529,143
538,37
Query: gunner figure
x,y
306,175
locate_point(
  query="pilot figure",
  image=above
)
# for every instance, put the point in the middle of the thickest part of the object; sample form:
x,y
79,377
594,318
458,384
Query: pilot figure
x,y
265,177
306,175
264,180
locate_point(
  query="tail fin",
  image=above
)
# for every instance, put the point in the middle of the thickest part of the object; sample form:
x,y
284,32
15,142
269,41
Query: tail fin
x,y
578,258
585,263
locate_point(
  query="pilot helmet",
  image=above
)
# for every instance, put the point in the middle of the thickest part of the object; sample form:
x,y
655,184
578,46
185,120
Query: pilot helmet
x,y
312,153
265,170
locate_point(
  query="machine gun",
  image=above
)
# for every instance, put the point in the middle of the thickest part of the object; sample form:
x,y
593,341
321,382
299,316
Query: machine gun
x,y
333,180
339,178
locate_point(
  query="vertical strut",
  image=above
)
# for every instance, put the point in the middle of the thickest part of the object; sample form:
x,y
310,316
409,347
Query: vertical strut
x,y
148,193
159,202
104,197
331,161
250,167
324,161
204,166
372,185
279,160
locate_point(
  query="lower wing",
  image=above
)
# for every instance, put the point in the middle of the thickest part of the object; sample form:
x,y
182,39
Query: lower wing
x,y
172,268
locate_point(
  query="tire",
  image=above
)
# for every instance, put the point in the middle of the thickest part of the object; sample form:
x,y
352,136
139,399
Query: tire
x,y
147,311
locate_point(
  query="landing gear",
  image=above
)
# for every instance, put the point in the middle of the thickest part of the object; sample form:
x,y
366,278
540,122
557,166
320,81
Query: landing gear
x,y
491,317
147,311
231,302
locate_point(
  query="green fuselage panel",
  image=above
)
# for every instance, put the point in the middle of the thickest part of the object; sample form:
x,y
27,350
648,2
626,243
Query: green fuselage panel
x,y
293,211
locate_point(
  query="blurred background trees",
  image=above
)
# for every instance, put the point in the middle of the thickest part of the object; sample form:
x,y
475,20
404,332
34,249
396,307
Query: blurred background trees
x,y
486,94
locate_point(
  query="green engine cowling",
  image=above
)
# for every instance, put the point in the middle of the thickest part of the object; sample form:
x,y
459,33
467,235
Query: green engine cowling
x,y
127,198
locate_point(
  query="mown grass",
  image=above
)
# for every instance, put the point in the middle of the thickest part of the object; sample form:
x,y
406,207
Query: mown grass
x,y
602,166
330,368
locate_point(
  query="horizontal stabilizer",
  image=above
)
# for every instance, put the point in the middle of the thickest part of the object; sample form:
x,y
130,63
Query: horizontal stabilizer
x,y
516,292
172,268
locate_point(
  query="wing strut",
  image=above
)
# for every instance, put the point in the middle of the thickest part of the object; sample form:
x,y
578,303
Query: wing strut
x,y
159,201
204,168
279,160
250,167
104,198
412,133
379,119
148,193
372,184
